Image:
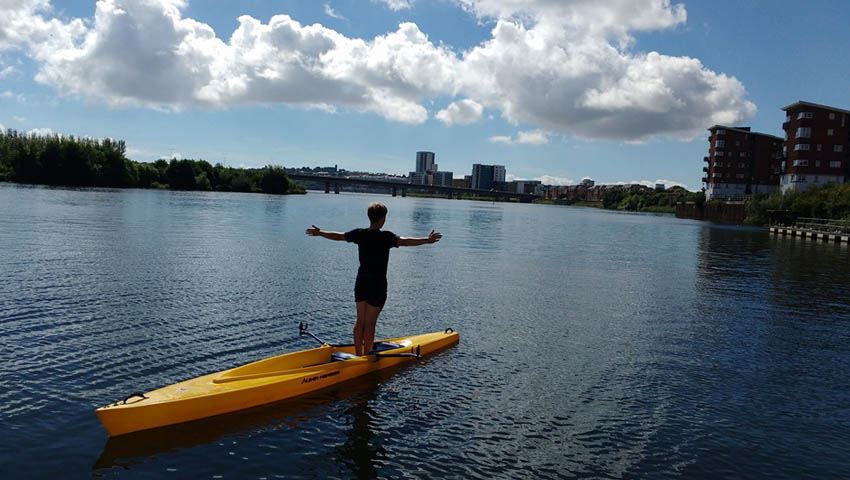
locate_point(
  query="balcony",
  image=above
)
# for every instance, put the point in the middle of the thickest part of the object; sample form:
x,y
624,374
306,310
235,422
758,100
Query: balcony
x,y
704,179
705,169
704,159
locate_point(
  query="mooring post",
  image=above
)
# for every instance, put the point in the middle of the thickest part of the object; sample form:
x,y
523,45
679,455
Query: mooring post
x,y
327,187
336,188
394,191
403,192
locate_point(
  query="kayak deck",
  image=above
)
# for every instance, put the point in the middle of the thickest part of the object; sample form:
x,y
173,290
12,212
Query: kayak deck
x,y
257,383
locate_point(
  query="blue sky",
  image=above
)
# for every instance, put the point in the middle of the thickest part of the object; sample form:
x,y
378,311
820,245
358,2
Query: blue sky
x,y
553,89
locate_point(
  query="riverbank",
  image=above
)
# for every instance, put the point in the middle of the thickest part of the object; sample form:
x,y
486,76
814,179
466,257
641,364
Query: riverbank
x,y
84,162
829,202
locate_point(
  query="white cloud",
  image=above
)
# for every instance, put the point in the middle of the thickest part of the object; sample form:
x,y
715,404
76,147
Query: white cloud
x,y
463,112
552,180
651,183
532,137
329,11
396,5
563,66
41,132
7,72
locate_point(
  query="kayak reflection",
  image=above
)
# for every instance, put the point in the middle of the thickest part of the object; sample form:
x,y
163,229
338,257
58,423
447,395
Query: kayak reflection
x,y
358,452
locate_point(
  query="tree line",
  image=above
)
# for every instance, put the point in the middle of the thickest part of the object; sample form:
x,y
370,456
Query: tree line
x,y
86,162
649,200
830,201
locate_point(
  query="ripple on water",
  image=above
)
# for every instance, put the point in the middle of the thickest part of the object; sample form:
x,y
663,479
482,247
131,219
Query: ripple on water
x,y
687,350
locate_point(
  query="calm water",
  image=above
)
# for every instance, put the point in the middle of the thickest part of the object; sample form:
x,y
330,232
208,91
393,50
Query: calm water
x,y
593,344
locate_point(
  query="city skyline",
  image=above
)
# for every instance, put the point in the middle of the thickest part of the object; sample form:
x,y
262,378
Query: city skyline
x,y
247,84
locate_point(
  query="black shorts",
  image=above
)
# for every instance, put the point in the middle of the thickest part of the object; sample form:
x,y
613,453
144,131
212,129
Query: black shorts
x,y
373,293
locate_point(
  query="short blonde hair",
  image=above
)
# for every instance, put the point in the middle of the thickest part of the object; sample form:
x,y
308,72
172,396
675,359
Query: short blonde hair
x,y
376,211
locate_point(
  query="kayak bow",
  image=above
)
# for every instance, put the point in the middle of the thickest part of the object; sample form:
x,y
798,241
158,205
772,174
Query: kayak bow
x,y
265,381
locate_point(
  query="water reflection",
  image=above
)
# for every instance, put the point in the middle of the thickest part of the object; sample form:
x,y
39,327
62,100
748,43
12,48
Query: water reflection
x,y
358,453
362,450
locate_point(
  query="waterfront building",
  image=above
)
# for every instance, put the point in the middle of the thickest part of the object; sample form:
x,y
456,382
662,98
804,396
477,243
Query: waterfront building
x,y
499,173
443,179
817,146
485,177
526,186
461,182
741,162
425,162
427,171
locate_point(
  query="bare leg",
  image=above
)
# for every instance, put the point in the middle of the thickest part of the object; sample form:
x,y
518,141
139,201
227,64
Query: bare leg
x,y
359,328
371,319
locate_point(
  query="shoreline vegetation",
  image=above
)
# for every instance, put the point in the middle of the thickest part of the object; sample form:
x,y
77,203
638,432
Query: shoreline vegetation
x,y
831,202
69,161
58,160
631,198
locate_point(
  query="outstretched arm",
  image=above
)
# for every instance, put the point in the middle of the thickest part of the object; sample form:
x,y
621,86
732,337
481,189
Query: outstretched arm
x,y
434,237
315,231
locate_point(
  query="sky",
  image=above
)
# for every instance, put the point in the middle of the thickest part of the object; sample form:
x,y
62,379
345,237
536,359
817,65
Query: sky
x,y
556,90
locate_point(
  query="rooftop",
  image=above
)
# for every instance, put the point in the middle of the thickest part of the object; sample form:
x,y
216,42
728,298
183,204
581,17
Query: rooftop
x,y
816,105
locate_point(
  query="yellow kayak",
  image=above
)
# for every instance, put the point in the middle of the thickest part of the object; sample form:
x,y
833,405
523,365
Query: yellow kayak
x,y
265,381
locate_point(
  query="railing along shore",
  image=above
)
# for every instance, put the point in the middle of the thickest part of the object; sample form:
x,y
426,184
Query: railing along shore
x,y
816,229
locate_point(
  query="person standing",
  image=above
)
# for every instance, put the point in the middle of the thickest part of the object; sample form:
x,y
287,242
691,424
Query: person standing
x,y
370,288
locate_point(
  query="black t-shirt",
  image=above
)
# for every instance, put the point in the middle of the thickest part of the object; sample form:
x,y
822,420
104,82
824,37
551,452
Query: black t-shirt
x,y
374,249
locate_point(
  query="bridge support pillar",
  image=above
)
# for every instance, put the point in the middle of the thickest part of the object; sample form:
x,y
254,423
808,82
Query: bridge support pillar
x,y
394,191
327,187
403,192
450,195
336,188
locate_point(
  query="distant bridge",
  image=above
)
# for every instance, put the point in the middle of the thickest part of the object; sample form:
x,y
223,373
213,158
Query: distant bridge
x,y
395,188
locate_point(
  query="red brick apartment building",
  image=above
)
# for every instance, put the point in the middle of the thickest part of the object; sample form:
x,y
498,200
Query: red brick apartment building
x,y
817,146
741,162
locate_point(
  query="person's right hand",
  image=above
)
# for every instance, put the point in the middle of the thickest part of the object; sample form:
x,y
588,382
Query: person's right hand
x,y
313,231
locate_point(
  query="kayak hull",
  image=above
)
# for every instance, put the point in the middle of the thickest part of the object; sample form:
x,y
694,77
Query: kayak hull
x,y
258,383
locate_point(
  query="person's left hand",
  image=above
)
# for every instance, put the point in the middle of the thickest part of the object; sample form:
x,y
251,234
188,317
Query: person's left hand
x,y
434,237
313,231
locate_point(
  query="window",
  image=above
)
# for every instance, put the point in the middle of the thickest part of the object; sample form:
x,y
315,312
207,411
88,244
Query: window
x,y
835,164
785,150
720,144
820,147
804,132
838,148
743,154
718,154
832,115
800,163
801,146
830,132
804,115
817,163
739,176
737,143
720,131
742,165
